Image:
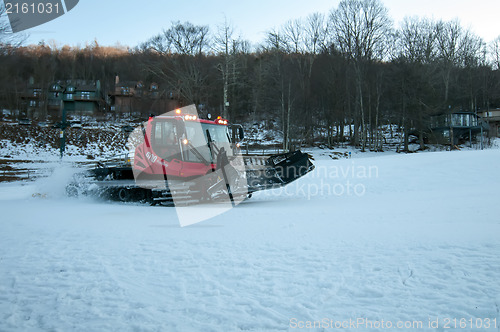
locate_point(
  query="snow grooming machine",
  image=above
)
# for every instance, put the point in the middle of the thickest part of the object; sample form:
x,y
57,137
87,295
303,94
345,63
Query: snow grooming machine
x,y
181,159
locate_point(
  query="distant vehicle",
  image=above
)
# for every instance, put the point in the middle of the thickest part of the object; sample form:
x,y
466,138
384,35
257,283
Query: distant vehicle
x,y
127,129
44,124
25,122
75,124
57,125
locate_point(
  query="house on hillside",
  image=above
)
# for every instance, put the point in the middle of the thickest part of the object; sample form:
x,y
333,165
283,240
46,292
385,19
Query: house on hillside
x,y
83,97
123,97
55,99
456,127
137,99
78,97
492,118
33,100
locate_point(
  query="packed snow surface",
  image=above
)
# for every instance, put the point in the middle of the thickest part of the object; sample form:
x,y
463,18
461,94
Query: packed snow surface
x,y
407,240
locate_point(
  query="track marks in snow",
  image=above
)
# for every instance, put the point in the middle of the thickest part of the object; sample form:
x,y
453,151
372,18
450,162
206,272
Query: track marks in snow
x,y
406,275
180,284
122,267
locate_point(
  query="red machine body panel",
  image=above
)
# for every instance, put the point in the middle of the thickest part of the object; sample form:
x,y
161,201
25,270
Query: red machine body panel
x,y
176,146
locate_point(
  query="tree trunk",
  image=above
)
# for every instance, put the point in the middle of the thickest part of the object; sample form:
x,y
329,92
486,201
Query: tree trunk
x,y
359,97
283,117
289,111
405,127
421,131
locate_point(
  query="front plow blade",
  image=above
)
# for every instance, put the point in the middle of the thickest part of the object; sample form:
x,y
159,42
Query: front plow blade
x,y
278,170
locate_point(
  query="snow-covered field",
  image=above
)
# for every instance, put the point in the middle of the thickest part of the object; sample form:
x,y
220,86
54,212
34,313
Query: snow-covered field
x,y
371,243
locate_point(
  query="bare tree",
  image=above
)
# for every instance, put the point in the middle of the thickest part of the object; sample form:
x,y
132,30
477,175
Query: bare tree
x,y
224,42
313,37
181,38
472,58
304,36
472,50
297,43
457,47
416,53
181,51
417,40
157,44
292,33
187,39
448,35
315,34
232,50
495,53
359,28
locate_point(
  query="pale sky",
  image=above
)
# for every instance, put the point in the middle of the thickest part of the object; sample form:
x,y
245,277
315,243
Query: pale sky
x,y
131,22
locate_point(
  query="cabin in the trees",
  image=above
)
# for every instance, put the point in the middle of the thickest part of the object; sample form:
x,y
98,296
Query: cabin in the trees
x,y
492,118
78,97
138,99
457,127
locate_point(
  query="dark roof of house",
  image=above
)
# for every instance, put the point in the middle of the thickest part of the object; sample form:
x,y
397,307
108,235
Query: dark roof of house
x,y
128,84
79,85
